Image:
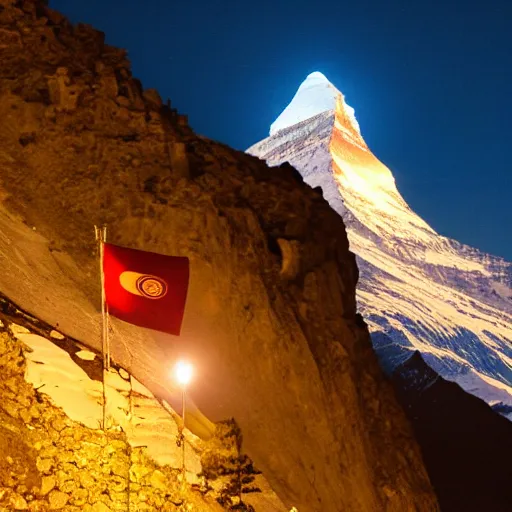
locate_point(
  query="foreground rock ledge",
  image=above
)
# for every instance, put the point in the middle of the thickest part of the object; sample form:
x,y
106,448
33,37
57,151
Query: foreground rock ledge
x,y
49,462
270,325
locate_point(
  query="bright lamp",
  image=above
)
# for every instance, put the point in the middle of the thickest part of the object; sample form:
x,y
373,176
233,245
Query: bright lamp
x,y
183,372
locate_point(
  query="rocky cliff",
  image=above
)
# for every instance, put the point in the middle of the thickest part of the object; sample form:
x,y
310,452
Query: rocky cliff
x,y
271,321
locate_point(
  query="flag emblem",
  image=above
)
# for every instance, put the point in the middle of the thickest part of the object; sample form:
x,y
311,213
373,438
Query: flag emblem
x,y
152,287
144,285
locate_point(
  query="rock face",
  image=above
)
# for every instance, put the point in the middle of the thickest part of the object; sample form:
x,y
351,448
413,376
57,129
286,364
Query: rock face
x,y
271,321
466,445
417,288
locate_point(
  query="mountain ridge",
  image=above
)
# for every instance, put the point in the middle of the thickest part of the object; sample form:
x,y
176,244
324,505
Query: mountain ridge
x,y
466,444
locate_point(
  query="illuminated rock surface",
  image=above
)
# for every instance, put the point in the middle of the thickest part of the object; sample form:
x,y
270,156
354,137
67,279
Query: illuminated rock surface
x,y
417,289
271,322
50,462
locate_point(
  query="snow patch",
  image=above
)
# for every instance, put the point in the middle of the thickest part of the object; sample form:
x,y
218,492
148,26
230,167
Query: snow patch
x,y
57,335
129,404
18,329
86,355
453,260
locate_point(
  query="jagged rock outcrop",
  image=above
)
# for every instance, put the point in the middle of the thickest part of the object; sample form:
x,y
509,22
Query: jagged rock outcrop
x,y
277,344
467,446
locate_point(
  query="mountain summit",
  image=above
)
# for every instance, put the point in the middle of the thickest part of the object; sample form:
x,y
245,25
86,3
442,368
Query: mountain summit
x,y
417,290
314,96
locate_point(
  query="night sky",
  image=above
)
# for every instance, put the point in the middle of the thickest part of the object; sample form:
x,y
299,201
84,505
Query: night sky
x,y
430,83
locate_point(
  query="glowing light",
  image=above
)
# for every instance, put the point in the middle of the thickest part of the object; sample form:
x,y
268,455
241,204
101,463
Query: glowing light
x,y
183,373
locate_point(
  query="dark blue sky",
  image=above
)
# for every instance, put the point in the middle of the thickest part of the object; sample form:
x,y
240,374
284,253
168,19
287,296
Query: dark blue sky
x,y
431,83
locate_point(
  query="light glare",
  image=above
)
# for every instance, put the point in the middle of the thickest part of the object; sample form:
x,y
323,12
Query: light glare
x,y
183,373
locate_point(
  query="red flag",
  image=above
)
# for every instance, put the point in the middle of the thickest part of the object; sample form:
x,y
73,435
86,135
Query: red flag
x,y
145,288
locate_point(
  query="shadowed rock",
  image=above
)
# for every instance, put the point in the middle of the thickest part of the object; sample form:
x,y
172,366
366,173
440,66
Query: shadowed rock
x,y
467,446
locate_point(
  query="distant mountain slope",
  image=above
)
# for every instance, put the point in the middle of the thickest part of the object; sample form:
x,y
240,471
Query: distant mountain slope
x,y
424,291
467,447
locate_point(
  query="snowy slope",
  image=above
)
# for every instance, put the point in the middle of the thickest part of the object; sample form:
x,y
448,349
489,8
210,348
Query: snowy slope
x,y
129,405
417,290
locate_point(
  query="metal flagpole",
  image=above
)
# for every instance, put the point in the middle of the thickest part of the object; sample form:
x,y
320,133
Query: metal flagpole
x,y
105,305
183,373
183,468
101,236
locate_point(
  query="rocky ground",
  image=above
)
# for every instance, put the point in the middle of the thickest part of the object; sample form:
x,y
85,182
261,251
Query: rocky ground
x,y
49,462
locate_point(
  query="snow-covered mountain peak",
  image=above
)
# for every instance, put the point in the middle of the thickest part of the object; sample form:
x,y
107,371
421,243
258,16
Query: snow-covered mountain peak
x,y
417,290
316,94
366,186
316,75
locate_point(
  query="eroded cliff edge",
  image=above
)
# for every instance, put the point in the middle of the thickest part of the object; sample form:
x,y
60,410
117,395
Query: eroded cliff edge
x,y
271,322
